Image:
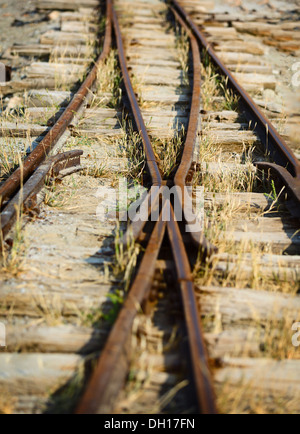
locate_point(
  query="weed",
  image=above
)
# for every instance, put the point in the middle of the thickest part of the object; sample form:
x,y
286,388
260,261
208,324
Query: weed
x,y
59,195
11,154
109,82
13,258
231,100
168,152
183,49
216,93
125,258
117,300
131,147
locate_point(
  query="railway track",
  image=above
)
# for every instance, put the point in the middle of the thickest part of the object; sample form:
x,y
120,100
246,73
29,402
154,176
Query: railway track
x,y
244,282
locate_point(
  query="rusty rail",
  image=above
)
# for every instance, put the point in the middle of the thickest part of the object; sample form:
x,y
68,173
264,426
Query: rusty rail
x,y
40,153
112,369
138,118
286,166
26,197
113,366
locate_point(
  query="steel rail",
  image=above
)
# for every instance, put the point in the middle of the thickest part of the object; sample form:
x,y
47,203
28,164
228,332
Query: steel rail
x,y
194,117
189,146
199,358
40,153
110,373
280,152
137,114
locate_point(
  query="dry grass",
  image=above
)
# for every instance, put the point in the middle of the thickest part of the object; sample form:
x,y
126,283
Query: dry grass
x,y
12,260
125,259
50,309
97,170
10,156
241,274
242,398
59,195
168,152
210,88
108,83
130,147
183,50
12,257
215,93
277,340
